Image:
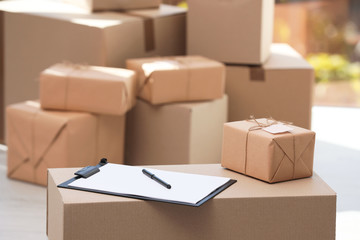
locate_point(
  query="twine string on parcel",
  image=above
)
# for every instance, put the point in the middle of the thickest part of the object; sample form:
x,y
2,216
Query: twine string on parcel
x,y
259,126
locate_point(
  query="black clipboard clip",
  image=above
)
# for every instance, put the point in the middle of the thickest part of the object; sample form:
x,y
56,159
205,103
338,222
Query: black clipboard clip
x,y
88,171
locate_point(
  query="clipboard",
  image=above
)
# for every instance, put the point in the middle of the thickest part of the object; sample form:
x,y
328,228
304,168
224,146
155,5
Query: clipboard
x,y
90,174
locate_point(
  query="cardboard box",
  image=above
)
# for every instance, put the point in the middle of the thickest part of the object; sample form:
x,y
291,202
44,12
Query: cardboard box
x,y
238,32
272,157
175,133
85,88
96,5
248,210
39,139
45,35
178,78
282,88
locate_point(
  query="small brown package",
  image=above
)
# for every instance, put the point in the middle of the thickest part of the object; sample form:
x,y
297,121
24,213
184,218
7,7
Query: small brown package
x,y
93,89
99,5
178,79
39,139
251,150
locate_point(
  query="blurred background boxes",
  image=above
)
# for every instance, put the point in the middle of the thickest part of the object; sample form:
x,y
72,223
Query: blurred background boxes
x,y
35,38
179,133
39,139
237,32
281,88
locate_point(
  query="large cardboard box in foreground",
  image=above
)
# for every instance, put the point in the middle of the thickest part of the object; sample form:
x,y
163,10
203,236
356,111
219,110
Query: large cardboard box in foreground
x,y
281,88
177,133
238,32
41,33
249,210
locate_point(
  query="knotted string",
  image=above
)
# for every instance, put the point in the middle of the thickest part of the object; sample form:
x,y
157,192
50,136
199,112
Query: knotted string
x,y
269,122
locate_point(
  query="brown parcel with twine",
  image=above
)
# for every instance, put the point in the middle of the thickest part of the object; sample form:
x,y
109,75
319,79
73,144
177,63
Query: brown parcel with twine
x,y
39,139
93,89
178,79
250,150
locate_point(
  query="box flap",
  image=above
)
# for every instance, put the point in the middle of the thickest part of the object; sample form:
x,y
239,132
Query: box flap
x,y
282,56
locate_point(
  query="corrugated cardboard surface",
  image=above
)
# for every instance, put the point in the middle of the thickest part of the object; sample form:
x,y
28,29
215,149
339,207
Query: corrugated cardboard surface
x,y
285,92
175,133
39,139
250,209
104,39
230,31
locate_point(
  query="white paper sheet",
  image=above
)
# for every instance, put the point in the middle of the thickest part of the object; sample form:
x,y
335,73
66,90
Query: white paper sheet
x,y
189,188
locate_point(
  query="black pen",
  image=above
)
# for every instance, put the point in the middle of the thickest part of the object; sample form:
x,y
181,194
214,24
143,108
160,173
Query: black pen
x,y
155,178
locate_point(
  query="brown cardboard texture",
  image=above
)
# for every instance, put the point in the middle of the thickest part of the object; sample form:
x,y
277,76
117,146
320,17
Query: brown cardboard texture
x,y
39,139
238,32
248,210
52,33
178,133
178,79
93,89
96,5
250,150
282,88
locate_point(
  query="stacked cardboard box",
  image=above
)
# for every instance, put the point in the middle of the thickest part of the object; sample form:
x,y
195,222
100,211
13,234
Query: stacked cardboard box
x,y
39,138
281,88
180,116
262,79
37,34
241,32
